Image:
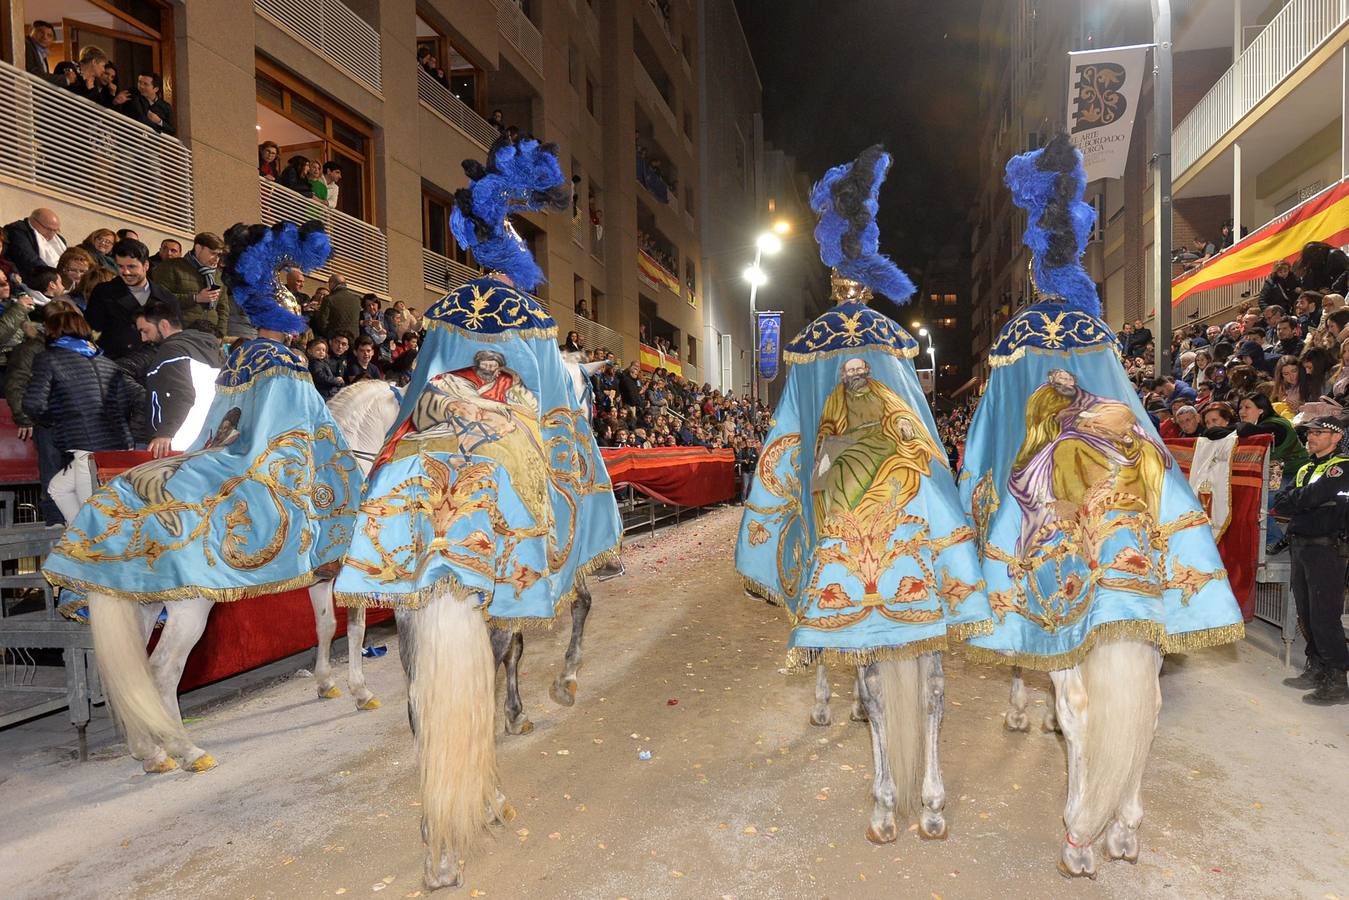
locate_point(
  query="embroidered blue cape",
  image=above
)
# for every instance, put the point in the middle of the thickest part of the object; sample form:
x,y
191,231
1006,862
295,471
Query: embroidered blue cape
x,y
870,552
1086,526
263,501
492,481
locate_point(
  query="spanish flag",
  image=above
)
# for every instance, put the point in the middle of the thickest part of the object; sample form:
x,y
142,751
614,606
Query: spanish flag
x,y
1324,217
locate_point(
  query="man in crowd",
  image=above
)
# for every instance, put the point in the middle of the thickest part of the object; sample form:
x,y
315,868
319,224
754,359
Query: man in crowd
x,y
195,283
362,367
295,284
145,105
114,305
1307,308
1289,342
169,248
1317,507
180,380
332,177
44,285
630,386
340,312
34,241
37,46
1174,391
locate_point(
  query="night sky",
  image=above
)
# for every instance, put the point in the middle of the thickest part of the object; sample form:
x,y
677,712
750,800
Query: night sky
x,y
840,75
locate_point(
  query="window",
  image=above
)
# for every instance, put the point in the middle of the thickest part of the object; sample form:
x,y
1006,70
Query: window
x,y
590,96
693,351
303,122
137,36
947,322
436,236
949,299
573,65
466,81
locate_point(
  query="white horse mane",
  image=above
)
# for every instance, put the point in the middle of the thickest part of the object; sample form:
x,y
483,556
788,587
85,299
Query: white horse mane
x,y
365,411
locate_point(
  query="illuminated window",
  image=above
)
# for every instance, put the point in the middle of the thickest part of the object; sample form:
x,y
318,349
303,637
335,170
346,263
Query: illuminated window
x,y
948,299
946,323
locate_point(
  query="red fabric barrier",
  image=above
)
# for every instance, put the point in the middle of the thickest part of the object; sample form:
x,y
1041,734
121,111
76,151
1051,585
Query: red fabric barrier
x,y
680,476
18,459
1240,543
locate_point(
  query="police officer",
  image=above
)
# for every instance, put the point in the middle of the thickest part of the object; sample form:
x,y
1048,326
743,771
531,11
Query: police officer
x,y
1317,507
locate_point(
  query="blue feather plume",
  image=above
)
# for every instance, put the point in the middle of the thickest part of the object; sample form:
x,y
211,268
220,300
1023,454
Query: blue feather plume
x,y
1048,184
518,177
847,199
253,257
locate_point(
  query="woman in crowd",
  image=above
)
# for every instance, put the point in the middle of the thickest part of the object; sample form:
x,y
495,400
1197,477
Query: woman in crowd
x,y
269,160
99,244
74,264
1258,416
1339,381
1219,421
1281,287
79,295
1323,268
1289,384
295,176
84,399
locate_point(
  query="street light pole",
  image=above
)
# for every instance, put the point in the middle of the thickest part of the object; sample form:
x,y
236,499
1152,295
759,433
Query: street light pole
x,y
932,358
1161,182
754,327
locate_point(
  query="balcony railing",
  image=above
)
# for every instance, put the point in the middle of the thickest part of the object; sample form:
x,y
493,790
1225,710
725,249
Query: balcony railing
x,y
1291,36
520,33
647,90
596,335
1204,305
456,113
360,250
579,227
92,156
331,29
440,273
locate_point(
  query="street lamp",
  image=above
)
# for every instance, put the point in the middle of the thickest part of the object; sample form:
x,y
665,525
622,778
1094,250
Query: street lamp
x,y
767,242
1161,184
932,356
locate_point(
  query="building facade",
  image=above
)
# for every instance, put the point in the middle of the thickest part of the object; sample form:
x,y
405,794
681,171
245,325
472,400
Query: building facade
x,y
614,84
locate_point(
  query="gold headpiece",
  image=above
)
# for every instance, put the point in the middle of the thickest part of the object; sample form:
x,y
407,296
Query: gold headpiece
x,y
846,290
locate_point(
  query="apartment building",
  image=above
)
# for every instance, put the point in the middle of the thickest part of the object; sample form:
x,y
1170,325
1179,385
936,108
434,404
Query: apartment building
x,y
615,84
1259,139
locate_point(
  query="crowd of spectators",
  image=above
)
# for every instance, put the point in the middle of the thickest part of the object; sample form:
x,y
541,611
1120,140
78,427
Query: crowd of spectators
x,y
657,251
653,175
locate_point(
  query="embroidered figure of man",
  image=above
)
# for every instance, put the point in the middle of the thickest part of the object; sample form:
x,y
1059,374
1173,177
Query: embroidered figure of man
x,y
872,448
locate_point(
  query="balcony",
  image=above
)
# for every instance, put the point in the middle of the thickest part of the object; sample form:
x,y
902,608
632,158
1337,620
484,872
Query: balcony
x,y
332,30
93,157
440,273
520,33
651,272
453,111
652,97
596,335
1291,36
360,250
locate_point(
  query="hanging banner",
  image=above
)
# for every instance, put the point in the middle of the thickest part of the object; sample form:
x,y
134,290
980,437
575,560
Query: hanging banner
x,y
770,342
1102,101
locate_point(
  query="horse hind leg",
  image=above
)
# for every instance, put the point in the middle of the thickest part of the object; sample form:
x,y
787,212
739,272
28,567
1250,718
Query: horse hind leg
x,y
1070,696
1015,718
1121,836
507,648
820,715
931,819
858,713
325,626
365,698
882,828
183,628
563,690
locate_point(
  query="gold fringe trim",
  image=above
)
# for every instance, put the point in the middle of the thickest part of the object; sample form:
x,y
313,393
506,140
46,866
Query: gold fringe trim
x,y
215,595
1126,629
1188,641
760,590
801,659
270,372
523,334
1015,356
564,602
964,631
797,359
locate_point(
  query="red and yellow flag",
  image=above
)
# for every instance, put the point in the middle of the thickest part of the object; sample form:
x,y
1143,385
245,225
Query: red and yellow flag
x,y
1324,217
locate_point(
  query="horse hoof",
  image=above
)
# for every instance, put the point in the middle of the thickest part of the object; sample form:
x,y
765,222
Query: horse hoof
x,y
445,874
858,715
822,717
332,692
1121,842
160,766
204,763
932,826
507,814
521,725
369,703
1050,724
563,693
884,834
1017,720
1077,862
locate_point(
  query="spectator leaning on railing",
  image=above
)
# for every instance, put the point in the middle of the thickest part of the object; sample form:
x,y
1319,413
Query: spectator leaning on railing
x,y
145,105
37,46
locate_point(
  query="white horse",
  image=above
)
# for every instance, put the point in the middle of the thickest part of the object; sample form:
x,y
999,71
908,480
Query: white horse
x,y
1107,708
143,693
903,701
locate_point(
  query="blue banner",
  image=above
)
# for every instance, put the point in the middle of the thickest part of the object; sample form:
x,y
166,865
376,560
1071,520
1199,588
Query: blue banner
x,y
770,343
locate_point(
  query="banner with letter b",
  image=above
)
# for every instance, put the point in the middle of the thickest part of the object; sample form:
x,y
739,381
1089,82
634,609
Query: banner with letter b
x,y
1102,101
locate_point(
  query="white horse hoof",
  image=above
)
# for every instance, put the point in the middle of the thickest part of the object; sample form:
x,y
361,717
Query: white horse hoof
x,y
563,692
522,725
371,702
1077,862
331,692
821,716
1050,724
932,826
1121,842
1017,720
443,874
159,765
883,833
204,763
858,714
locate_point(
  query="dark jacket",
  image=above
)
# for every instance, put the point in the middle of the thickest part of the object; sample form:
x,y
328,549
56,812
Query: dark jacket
x,y
21,247
293,179
325,375
1279,291
184,280
1138,340
85,401
179,365
18,373
1317,508
112,313
33,60
355,372
629,389
138,108
341,311
137,364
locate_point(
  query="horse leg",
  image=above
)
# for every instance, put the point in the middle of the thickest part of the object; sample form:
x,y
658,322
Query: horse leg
x,y
820,715
1015,718
406,622
563,690
1050,723
184,627
1070,699
882,829
931,821
153,757
1121,837
858,713
325,624
365,698
507,648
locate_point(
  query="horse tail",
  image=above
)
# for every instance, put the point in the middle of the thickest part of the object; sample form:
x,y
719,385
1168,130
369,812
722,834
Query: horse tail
x,y
1122,703
453,703
903,713
128,682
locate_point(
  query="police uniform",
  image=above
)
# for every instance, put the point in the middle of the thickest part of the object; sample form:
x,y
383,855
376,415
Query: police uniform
x,y
1317,506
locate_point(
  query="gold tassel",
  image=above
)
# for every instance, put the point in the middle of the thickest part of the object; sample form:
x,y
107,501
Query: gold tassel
x,y
801,659
215,595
